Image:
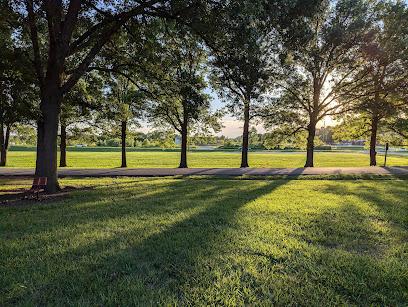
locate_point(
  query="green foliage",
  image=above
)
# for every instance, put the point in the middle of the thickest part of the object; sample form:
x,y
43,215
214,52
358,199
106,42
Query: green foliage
x,y
379,91
23,135
178,85
241,62
357,127
314,73
18,92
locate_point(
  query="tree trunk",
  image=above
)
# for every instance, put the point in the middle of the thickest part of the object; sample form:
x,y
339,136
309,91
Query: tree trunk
x,y
373,141
124,124
4,142
183,156
47,136
245,137
38,162
63,146
310,144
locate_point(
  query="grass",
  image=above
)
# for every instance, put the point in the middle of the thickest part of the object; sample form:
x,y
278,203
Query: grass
x,y
204,159
224,242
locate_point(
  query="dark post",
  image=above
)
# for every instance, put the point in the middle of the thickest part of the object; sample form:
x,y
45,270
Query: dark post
x,y
386,151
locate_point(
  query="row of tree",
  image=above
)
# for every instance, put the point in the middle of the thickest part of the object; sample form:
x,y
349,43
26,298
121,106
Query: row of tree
x,y
288,64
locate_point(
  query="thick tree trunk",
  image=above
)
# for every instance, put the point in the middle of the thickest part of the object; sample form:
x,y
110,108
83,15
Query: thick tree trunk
x,y
47,136
310,144
245,137
373,141
123,136
4,143
63,146
40,138
183,155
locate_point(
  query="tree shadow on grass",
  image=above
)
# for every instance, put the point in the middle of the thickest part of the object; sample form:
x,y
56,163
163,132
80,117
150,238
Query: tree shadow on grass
x,y
363,245
345,228
136,261
390,200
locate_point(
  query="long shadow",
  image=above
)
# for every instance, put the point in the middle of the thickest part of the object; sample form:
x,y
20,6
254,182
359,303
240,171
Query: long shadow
x,y
106,204
391,201
366,240
161,260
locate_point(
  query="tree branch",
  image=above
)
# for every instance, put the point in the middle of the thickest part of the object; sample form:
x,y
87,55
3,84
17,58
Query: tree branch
x,y
32,23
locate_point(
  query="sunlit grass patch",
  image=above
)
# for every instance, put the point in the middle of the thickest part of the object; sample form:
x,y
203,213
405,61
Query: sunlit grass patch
x,y
156,159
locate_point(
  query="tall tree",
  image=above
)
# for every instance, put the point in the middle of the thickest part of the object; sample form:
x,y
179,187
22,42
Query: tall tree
x,y
123,107
66,38
178,95
243,40
316,71
381,92
241,68
77,109
17,87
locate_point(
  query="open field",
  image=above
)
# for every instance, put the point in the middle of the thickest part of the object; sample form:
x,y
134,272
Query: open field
x,y
224,242
205,159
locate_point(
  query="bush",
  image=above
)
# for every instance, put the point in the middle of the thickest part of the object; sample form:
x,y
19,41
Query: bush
x,y
323,147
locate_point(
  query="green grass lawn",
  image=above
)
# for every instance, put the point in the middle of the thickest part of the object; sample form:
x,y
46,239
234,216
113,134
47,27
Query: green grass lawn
x,y
204,159
209,242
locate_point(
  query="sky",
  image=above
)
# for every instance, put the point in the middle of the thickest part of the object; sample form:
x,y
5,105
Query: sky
x,y
232,126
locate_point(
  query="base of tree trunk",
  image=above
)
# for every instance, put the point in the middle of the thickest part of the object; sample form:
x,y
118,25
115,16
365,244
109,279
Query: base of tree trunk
x,y
3,156
51,191
3,160
373,158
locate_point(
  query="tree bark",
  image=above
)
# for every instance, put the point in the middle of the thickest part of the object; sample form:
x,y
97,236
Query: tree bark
x,y
183,155
63,146
47,135
311,129
2,147
123,136
4,143
373,141
245,137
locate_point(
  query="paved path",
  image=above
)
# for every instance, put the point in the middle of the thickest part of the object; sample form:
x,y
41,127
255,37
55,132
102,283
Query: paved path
x,y
147,172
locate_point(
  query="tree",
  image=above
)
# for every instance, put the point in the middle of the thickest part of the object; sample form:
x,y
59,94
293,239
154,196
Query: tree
x,y
17,88
381,92
77,107
316,72
66,37
178,97
240,67
244,54
124,104
357,127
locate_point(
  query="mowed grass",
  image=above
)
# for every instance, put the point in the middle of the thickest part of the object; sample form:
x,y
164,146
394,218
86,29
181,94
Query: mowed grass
x,y
205,159
209,242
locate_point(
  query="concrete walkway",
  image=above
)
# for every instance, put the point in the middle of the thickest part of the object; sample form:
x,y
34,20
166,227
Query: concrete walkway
x,y
159,172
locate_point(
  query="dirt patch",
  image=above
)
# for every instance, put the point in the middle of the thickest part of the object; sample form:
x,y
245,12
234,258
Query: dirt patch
x,y
23,197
